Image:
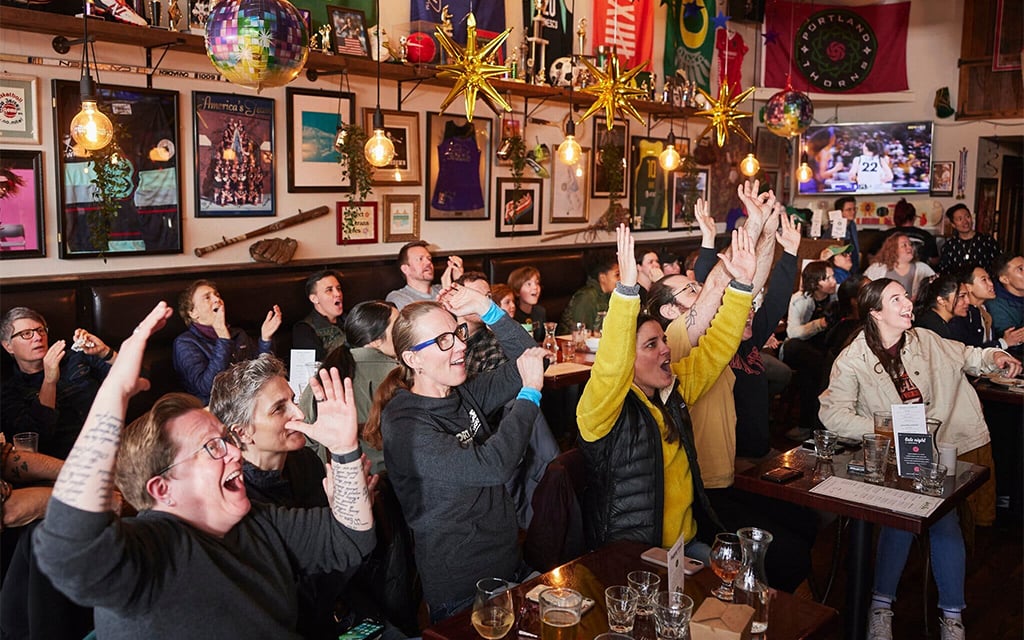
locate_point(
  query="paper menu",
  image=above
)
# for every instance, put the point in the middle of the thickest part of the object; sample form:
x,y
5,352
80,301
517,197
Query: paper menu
x,y
838,224
908,418
303,367
676,566
912,442
897,500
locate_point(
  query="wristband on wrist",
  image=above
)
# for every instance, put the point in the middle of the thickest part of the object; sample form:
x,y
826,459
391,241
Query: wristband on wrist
x,y
746,288
529,393
493,314
346,458
109,355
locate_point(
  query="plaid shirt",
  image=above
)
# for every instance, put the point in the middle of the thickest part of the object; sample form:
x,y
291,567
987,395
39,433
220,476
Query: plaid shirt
x,y
483,352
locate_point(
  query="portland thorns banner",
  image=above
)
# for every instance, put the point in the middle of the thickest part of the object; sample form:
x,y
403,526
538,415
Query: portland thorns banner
x,y
838,49
628,24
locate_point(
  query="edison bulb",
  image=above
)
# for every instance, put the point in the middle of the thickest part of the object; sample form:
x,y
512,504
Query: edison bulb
x,y
569,152
669,158
804,173
398,175
749,166
379,149
91,128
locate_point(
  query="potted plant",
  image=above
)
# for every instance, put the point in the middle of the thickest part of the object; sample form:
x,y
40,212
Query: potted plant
x,y
356,168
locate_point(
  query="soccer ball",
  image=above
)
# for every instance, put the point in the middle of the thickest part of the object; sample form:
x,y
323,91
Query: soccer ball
x,y
561,72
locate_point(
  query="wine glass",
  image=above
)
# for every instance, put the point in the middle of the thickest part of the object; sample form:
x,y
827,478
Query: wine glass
x,y
726,560
492,608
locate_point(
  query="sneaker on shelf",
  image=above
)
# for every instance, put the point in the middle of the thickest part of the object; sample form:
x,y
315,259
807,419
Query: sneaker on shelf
x,y
951,629
880,624
798,434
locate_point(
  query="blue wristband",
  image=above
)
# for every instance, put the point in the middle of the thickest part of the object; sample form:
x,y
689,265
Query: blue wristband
x,y
493,314
529,393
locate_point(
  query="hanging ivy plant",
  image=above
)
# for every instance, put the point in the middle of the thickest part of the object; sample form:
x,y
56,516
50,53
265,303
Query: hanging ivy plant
x,y
111,183
357,170
517,158
612,155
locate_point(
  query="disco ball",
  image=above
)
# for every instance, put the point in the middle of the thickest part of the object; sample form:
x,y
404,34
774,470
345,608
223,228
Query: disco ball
x,y
788,113
257,43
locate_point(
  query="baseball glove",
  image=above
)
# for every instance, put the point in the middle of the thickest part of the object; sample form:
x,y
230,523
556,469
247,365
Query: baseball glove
x,y
275,250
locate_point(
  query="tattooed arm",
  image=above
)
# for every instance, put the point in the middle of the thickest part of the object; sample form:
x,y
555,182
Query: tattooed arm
x,y
86,481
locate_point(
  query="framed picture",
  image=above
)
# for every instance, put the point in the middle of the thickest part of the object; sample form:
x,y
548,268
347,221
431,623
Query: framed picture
x,y
21,204
771,178
519,211
307,19
647,184
198,12
459,178
686,188
570,187
401,218
19,109
618,137
234,151
942,178
349,29
403,128
313,119
986,195
363,229
147,219
770,148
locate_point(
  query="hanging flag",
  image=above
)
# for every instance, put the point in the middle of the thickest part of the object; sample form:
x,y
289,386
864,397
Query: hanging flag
x,y
688,45
731,50
557,28
490,16
838,48
629,26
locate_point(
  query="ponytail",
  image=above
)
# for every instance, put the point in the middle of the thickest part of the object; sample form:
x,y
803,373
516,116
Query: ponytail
x,y
398,378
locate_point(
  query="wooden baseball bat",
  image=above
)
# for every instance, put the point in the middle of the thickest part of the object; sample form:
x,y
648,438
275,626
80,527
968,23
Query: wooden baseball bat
x,y
298,218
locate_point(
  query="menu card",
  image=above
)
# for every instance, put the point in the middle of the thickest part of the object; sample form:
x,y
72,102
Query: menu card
x,y
874,495
913,443
838,224
676,567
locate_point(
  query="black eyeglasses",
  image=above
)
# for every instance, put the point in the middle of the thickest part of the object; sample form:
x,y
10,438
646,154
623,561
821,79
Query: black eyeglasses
x,y
446,340
216,447
690,288
27,333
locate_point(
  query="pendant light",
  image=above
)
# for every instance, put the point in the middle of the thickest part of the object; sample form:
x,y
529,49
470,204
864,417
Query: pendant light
x,y
379,149
90,127
749,166
569,151
669,158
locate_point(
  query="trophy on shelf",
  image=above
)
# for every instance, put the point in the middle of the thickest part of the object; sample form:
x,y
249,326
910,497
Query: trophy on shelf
x,y
537,70
325,38
173,15
581,35
448,29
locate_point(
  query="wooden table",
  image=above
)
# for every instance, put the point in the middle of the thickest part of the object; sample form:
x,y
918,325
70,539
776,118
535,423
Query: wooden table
x,y
789,616
967,479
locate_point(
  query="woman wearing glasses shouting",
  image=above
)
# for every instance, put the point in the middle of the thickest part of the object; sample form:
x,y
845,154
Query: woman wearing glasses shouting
x,y
447,465
49,390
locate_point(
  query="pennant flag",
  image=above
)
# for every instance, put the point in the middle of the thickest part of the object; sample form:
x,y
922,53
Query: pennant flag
x,y
688,41
490,16
838,48
627,25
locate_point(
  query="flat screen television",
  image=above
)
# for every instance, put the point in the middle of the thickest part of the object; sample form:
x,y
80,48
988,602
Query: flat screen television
x,y
868,158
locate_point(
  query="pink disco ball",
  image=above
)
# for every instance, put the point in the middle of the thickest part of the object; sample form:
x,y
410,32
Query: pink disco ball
x,y
788,113
257,43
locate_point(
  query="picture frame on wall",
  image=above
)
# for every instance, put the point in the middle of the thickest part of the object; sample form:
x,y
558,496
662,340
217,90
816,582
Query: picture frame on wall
x,y
401,218
403,128
149,209
518,209
617,136
313,120
769,148
348,31
234,155
686,188
19,109
21,204
943,175
364,225
648,184
986,195
569,189
459,177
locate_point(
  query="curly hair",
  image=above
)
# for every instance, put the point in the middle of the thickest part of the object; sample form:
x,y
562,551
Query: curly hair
x,y
889,253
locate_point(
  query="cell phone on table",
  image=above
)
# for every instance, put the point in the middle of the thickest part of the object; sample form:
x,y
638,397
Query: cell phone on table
x,y
782,475
659,556
368,629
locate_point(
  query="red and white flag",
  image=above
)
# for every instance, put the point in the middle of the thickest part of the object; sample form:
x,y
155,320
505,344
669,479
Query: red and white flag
x,y
837,48
627,25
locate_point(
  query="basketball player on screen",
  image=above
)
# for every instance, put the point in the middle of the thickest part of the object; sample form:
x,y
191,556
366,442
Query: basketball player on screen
x,y
870,170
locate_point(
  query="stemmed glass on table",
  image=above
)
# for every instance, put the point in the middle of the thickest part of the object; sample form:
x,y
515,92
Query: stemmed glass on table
x,y
726,560
492,608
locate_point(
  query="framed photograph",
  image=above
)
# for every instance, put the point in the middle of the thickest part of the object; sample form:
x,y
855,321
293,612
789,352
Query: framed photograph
x,y
648,187
942,178
148,215
771,178
401,218
19,109
459,177
364,227
569,189
234,151
313,119
686,188
21,204
770,148
198,12
307,19
518,211
349,29
618,137
403,128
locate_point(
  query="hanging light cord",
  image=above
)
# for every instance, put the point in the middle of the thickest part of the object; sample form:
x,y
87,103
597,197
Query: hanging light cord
x,y
378,54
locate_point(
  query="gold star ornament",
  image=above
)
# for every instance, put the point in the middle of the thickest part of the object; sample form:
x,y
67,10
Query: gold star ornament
x,y
613,91
723,114
472,68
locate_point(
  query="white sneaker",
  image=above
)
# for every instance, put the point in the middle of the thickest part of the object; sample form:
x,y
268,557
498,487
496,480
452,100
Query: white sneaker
x,y
951,629
880,624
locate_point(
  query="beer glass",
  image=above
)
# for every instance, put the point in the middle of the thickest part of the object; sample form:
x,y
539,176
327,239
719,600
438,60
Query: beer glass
x,y
560,610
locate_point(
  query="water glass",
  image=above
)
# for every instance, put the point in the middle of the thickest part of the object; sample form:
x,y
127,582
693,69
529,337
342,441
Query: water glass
x,y
27,441
621,603
823,470
883,427
947,457
560,610
672,613
825,444
876,452
493,614
931,477
646,584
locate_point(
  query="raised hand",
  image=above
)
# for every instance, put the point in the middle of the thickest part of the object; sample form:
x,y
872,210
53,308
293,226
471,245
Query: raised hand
x,y
708,228
742,262
271,324
335,425
124,373
758,206
626,254
463,301
51,361
452,272
90,343
788,236
531,367
1014,336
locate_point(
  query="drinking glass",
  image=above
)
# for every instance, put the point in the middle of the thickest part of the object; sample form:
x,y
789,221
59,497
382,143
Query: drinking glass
x,y
646,584
883,427
931,477
560,610
27,441
876,452
825,443
672,613
492,608
726,559
621,603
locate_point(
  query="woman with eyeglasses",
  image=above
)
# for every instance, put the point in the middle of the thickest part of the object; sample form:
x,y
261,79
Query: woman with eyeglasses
x,y
447,464
50,387
941,299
